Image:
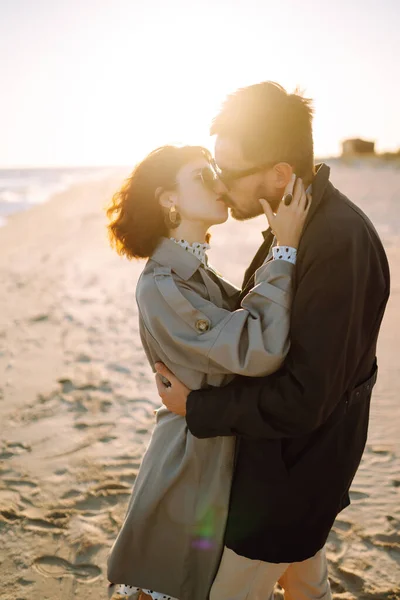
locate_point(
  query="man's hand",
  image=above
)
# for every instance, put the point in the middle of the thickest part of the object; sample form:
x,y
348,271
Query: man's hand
x,y
174,396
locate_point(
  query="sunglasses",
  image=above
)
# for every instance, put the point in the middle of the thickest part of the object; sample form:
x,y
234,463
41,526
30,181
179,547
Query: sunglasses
x,y
212,174
227,176
209,177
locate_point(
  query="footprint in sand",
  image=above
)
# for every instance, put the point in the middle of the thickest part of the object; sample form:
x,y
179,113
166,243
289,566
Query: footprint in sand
x,y
10,505
336,546
111,487
107,438
336,586
39,318
119,368
17,483
72,494
10,449
10,515
102,497
352,581
356,495
53,566
381,453
66,385
83,358
43,526
387,540
342,526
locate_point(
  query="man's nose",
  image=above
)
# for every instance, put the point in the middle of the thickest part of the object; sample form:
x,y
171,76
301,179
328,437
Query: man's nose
x,y
220,187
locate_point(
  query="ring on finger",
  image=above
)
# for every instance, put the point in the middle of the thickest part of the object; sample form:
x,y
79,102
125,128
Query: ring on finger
x,y
287,199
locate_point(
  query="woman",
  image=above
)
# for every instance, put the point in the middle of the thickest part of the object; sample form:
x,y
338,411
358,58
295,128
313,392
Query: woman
x,y
171,540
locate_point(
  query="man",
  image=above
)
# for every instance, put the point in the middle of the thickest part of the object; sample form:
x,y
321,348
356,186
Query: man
x,y
300,432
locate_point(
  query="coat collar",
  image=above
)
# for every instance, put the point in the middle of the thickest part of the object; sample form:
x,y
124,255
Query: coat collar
x,y
319,186
170,254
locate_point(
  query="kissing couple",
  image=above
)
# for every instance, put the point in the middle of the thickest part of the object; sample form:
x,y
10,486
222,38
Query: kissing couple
x,y
266,389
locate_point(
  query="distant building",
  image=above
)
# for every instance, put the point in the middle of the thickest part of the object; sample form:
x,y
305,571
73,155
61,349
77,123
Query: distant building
x,y
357,146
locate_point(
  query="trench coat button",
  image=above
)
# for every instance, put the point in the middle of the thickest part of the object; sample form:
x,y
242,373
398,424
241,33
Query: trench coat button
x,y
202,325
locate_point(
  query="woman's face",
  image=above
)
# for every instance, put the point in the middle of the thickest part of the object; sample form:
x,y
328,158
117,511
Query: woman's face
x,y
197,202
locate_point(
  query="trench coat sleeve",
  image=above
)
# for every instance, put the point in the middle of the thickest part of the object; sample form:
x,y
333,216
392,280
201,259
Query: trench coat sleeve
x,y
327,314
196,333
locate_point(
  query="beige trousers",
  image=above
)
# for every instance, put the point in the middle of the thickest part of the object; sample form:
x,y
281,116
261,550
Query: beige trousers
x,y
241,578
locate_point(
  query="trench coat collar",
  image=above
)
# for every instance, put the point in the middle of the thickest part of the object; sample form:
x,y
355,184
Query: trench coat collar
x,y
319,185
170,254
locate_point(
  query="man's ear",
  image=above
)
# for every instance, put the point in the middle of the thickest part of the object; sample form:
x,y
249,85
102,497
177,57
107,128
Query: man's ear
x,y
166,198
283,173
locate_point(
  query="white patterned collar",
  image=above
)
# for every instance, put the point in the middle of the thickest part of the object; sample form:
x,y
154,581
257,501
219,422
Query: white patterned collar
x,y
197,249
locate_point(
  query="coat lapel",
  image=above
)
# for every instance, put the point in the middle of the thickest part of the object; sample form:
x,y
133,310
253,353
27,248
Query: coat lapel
x,y
214,291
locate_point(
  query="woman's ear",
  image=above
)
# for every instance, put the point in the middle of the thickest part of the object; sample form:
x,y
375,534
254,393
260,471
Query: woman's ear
x,y
166,198
283,173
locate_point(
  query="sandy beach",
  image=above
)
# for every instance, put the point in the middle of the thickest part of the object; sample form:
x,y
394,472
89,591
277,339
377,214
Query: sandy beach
x,y
77,397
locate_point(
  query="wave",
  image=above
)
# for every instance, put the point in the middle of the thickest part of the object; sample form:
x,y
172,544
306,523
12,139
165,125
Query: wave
x,y
22,188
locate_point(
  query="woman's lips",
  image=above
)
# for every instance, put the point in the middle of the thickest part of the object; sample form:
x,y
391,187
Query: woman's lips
x,y
225,200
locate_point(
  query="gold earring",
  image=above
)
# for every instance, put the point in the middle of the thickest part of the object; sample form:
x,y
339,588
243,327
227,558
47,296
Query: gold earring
x,y
172,214
174,218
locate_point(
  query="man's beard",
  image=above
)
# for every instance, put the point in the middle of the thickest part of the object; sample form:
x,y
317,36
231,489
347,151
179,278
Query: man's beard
x,y
239,215
254,210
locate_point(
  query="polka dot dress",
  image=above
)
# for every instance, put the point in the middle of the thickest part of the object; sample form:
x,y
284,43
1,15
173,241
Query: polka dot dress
x,y
134,592
197,249
284,253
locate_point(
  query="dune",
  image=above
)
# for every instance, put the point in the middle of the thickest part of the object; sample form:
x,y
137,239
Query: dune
x,y
77,397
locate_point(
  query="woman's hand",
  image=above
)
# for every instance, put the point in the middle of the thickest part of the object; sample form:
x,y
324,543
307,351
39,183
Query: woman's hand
x,y
288,222
175,395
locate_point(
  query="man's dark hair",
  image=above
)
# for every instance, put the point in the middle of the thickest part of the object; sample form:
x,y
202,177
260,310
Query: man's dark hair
x,y
269,124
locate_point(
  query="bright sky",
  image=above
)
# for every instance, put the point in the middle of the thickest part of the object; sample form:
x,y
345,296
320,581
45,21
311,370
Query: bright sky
x,y
101,82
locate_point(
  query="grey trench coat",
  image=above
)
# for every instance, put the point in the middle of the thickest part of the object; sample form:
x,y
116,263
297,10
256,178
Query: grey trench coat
x,y
171,540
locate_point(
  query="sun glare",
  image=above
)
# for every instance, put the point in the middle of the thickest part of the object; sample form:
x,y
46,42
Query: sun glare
x,y
143,75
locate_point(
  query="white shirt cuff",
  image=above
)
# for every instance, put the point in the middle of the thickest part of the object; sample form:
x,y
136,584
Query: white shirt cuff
x,y
285,253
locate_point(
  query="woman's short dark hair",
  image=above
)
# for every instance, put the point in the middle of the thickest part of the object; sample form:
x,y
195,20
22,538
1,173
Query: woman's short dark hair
x,y
269,124
136,218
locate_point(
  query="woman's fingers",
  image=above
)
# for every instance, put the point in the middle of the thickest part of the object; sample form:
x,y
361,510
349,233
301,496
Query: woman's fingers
x,y
164,379
300,198
289,190
268,211
164,371
298,191
292,211
161,387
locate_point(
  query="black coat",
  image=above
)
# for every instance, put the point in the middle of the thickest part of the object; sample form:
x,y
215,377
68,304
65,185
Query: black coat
x,y
302,431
